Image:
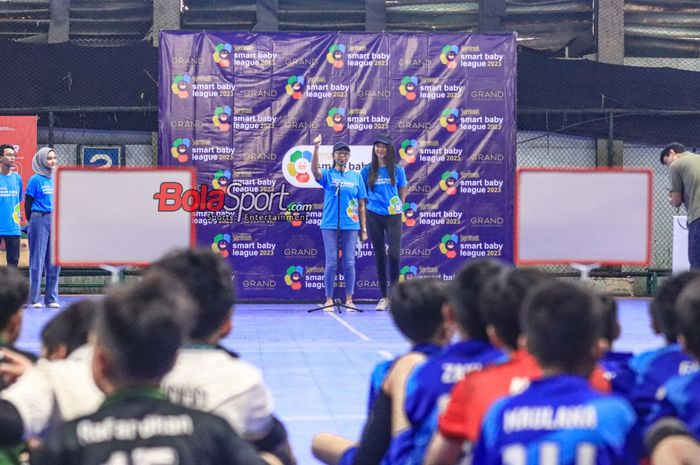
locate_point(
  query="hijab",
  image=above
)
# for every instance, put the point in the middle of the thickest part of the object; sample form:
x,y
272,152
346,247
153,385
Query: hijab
x,y
39,163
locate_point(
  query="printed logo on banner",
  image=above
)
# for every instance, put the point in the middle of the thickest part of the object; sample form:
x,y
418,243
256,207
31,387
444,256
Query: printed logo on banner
x,y
408,272
448,119
222,118
448,182
221,243
293,277
295,87
221,179
449,244
295,218
258,278
410,212
181,85
222,53
351,211
299,166
448,56
336,118
408,150
409,87
336,54
180,149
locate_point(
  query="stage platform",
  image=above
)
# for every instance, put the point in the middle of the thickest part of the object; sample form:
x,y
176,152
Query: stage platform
x,y
318,364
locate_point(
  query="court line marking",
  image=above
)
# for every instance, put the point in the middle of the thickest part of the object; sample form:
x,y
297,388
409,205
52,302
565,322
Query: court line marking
x,y
349,327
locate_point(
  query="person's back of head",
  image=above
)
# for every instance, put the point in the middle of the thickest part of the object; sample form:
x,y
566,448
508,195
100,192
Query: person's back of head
x,y
611,323
501,301
416,308
207,277
688,311
464,293
562,323
139,329
69,329
663,314
14,289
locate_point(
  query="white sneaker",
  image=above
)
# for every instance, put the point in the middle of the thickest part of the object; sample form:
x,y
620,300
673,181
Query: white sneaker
x,y
350,307
54,305
37,305
383,304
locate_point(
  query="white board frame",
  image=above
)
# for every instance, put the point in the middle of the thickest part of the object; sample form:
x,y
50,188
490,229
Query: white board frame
x,y
110,216
565,216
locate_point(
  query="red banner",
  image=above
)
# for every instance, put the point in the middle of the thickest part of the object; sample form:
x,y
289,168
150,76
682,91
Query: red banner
x,y
20,131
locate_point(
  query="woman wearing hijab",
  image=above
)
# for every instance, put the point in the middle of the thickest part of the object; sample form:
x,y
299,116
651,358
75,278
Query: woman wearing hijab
x,y
38,206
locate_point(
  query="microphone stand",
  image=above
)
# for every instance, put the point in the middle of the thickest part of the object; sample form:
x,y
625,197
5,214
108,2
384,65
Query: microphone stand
x,y
337,303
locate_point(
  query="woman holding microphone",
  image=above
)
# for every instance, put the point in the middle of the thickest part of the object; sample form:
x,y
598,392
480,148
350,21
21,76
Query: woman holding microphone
x,y
38,206
343,218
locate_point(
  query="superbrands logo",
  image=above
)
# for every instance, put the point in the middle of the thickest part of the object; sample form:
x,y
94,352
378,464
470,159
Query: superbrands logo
x,y
292,277
408,272
221,55
295,87
336,55
448,182
181,85
408,150
180,150
448,56
336,118
449,245
409,87
222,118
410,213
221,244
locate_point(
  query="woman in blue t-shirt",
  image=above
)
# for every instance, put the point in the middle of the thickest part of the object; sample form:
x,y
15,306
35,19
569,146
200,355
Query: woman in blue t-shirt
x,y
344,193
385,181
38,207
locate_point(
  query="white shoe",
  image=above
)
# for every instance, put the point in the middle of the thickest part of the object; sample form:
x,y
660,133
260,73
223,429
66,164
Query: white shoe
x,y
37,305
383,304
350,307
54,305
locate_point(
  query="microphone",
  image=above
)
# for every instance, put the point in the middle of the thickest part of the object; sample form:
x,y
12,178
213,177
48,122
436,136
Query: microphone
x,y
342,168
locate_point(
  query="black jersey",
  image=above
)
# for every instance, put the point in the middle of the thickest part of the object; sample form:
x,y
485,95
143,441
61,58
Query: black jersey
x,y
137,429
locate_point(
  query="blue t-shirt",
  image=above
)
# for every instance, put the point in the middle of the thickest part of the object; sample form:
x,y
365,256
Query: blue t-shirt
x,y
41,189
680,398
352,189
427,391
10,197
560,418
384,199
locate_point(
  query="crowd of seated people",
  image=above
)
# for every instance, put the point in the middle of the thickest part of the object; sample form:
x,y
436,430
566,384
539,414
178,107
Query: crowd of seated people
x,y
505,366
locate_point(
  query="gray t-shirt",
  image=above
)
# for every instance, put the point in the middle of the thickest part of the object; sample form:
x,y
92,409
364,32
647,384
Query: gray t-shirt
x,y
685,178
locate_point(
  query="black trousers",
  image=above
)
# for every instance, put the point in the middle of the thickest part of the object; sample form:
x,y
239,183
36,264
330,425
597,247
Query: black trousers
x,y
381,229
11,249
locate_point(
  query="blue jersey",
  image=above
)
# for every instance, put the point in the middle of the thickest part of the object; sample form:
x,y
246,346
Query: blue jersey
x,y
41,189
10,197
650,370
384,198
613,363
382,369
427,392
680,397
349,188
560,420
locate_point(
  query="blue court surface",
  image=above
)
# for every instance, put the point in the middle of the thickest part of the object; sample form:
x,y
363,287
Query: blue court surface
x,y
317,365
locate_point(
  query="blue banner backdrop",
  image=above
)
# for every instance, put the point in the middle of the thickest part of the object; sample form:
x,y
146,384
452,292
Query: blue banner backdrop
x,y
243,108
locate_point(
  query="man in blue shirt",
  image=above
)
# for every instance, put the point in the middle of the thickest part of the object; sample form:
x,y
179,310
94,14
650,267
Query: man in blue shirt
x,y
10,197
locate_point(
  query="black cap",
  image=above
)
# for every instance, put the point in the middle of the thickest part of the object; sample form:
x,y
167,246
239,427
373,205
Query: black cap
x,y
341,146
383,139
